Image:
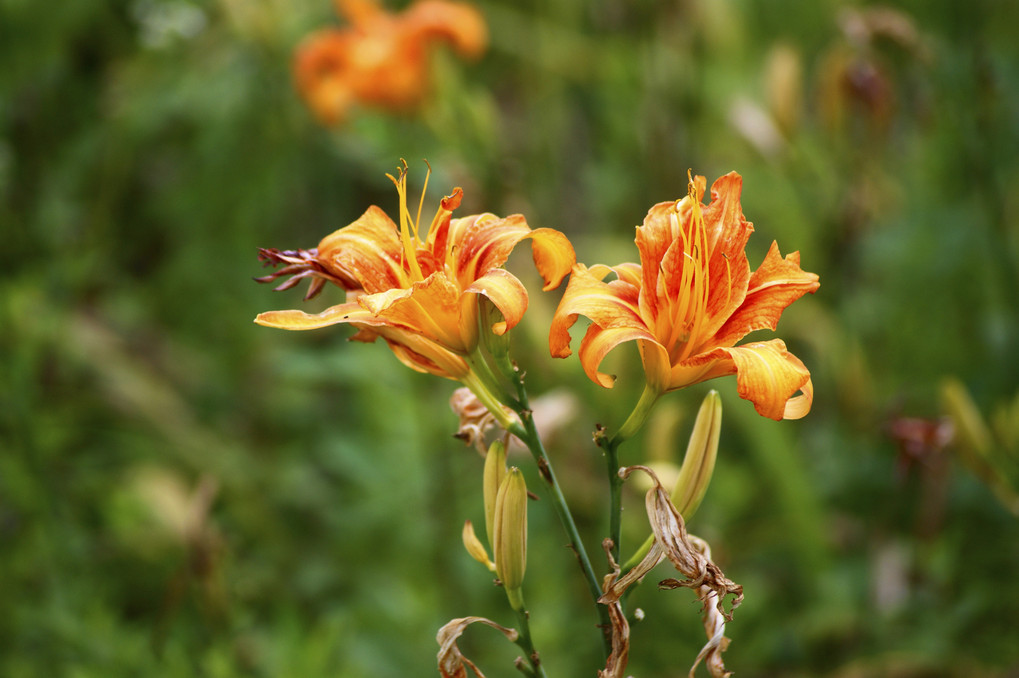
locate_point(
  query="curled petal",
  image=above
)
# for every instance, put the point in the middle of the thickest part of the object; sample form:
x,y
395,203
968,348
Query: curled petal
x,y
506,292
605,304
766,374
598,342
452,663
775,284
483,242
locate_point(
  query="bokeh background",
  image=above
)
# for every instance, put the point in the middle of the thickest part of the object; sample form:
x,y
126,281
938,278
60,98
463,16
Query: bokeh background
x,y
183,493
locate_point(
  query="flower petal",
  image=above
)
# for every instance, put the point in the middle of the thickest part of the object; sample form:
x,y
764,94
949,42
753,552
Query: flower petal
x,y
459,23
299,320
775,284
727,235
482,242
606,304
506,292
599,341
368,251
430,307
766,374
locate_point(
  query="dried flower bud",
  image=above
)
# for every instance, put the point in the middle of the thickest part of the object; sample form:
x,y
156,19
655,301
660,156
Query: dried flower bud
x,y
475,547
495,471
699,462
510,541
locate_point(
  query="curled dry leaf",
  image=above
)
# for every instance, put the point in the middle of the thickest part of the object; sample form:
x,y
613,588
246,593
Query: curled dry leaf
x,y
452,664
692,558
616,663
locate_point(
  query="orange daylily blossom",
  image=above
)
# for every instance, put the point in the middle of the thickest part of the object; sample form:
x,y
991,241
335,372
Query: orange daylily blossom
x,y
420,294
381,59
688,302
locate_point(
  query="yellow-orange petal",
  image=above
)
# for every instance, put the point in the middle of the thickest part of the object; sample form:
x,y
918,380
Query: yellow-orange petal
x,y
727,233
766,374
460,24
775,284
599,341
505,291
368,251
299,320
605,304
483,242
430,307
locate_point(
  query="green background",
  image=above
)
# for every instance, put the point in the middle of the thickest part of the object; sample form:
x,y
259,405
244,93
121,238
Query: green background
x,y
148,148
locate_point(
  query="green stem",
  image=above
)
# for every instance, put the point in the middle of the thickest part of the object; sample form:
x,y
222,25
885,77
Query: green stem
x,y
640,413
528,434
633,423
524,639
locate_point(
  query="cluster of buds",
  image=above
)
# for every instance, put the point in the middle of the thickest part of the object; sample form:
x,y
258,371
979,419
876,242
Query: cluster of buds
x,y
505,497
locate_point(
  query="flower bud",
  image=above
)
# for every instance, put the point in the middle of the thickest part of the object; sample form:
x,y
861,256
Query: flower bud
x,y
510,541
495,471
699,462
474,546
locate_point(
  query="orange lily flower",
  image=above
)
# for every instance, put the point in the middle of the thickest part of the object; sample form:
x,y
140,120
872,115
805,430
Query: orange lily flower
x,y
688,302
421,294
381,59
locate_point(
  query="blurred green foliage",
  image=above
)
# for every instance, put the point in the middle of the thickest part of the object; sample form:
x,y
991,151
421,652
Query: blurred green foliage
x,y
183,493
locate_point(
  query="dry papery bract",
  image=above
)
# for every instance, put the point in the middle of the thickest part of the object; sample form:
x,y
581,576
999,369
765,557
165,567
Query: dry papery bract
x,y
475,419
452,664
690,556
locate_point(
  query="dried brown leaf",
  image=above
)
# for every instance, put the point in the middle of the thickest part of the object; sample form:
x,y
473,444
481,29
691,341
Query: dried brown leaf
x,y
452,664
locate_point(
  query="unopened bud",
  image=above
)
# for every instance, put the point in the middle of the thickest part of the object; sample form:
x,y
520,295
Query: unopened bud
x,y
510,541
699,462
475,547
971,429
495,471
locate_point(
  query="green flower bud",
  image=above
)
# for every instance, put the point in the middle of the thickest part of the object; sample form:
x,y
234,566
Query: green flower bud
x,y
495,471
510,541
699,462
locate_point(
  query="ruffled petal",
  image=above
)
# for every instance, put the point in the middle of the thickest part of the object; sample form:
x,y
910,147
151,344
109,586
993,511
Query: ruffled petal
x,y
368,251
774,285
766,374
727,235
605,304
506,292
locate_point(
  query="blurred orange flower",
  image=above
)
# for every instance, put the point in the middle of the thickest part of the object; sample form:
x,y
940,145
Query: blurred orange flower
x,y
381,59
688,302
421,294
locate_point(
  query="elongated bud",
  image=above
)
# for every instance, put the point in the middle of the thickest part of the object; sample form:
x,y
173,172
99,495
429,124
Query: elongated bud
x,y
495,471
971,429
510,541
699,462
475,547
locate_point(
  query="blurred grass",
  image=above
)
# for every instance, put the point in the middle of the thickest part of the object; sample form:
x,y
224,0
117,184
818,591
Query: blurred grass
x,y
147,148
